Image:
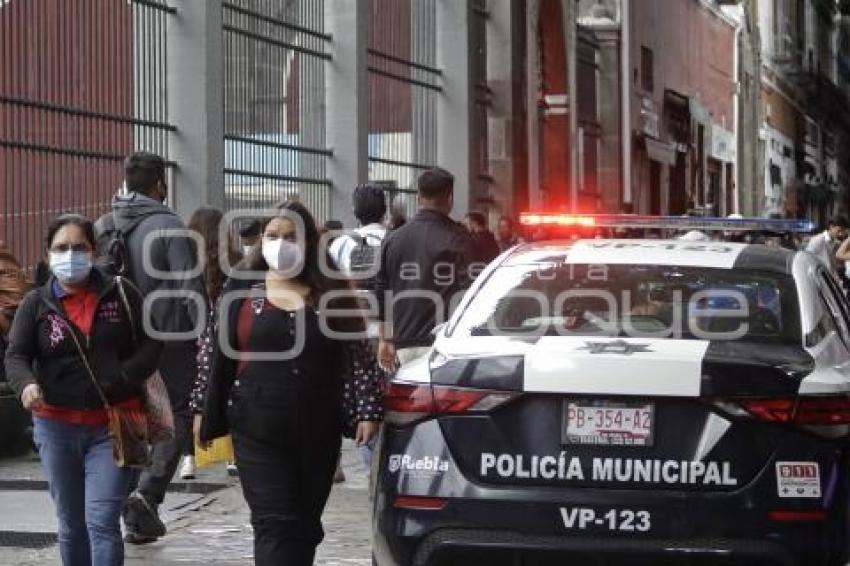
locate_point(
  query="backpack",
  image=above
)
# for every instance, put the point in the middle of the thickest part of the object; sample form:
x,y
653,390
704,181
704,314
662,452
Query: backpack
x,y
112,251
363,258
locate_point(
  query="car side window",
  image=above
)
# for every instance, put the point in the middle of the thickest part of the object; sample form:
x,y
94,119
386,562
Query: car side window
x,y
834,308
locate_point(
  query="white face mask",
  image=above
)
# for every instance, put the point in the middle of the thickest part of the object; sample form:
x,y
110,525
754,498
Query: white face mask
x,y
286,258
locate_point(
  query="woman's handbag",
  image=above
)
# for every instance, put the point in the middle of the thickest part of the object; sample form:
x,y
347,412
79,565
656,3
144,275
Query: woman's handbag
x,y
160,417
128,428
219,450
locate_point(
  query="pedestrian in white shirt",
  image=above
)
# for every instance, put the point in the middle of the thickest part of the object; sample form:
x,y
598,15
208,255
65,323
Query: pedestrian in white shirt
x,y
824,244
357,255
370,206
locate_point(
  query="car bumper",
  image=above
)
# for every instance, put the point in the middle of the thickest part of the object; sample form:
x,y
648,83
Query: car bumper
x,y
483,524
506,547
519,532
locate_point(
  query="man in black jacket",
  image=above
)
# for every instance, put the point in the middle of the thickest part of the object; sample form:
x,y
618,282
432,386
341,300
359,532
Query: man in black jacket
x,y
424,268
484,245
151,229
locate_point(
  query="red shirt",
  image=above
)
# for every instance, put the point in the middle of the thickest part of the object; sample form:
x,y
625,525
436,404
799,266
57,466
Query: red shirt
x,y
81,308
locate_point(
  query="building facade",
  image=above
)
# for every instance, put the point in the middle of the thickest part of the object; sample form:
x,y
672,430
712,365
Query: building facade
x,y
805,106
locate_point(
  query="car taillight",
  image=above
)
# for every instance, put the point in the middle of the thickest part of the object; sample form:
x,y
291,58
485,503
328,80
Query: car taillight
x,y
813,411
797,516
420,503
408,402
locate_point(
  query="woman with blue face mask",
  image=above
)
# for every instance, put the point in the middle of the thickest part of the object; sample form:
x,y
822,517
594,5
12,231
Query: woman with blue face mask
x,y
290,372
88,342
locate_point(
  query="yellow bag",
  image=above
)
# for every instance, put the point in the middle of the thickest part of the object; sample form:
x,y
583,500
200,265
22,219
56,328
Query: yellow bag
x,y
221,450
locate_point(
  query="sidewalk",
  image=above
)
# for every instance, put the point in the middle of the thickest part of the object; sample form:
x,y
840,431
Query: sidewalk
x,y
203,529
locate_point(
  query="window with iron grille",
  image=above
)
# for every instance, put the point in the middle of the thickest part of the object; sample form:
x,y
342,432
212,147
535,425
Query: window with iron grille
x,y
82,84
404,86
274,92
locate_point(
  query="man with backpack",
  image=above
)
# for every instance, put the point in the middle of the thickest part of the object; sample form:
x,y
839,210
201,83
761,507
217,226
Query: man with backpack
x,y
357,254
359,251
141,225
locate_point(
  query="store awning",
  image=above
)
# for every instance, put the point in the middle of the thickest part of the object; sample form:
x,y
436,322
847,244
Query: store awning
x,y
660,151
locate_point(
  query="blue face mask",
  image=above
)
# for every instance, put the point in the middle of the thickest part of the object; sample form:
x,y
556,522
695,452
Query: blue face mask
x,y
70,267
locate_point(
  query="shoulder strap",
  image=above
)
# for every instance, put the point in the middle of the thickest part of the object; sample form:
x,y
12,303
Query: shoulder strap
x,y
85,360
119,282
132,224
358,239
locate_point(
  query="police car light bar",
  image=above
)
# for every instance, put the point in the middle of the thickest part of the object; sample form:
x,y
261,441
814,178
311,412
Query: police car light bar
x,y
667,222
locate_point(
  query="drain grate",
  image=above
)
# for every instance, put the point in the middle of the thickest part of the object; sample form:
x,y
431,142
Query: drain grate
x,y
34,541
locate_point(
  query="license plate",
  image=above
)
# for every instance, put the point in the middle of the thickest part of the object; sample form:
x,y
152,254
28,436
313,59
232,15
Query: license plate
x,y
623,520
605,423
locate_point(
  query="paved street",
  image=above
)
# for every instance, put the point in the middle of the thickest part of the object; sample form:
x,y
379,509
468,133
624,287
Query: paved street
x,y
204,528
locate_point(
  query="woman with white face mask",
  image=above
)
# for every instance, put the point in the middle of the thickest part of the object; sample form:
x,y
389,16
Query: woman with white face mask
x,y
88,344
295,379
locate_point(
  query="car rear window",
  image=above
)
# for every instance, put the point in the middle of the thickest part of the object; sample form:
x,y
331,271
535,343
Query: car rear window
x,y
633,300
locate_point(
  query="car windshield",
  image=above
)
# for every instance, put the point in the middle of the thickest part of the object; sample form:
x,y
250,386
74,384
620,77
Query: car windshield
x,y
633,300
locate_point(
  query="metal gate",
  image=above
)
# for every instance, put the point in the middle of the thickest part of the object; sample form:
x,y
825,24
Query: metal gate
x,y
82,84
274,93
404,86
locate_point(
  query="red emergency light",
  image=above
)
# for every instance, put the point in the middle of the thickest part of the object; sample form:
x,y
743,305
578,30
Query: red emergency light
x,y
534,219
638,221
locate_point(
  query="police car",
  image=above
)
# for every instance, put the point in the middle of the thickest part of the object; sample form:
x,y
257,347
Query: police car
x,y
633,401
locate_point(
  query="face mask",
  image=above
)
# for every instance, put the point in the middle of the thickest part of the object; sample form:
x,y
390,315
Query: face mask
x,y
284,257
70,267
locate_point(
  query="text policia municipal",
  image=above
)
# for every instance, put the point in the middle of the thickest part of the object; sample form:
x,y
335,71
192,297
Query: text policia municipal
x,y
625,470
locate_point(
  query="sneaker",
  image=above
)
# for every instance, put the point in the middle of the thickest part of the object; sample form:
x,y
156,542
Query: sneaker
x,y
187,468
133,538
232,470
141,519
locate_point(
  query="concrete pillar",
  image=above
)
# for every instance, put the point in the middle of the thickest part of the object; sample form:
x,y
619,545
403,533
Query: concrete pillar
x,y
502,78
533,83
196,104
346,103
610,110
454,109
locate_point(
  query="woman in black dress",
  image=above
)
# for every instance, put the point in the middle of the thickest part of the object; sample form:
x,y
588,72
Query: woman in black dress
x,y
285,384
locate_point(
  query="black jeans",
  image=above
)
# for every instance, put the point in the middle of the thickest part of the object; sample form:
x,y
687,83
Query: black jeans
x,y
178,367
287,441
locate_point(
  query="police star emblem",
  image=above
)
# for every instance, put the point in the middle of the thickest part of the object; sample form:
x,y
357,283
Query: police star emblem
x,y
616,347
